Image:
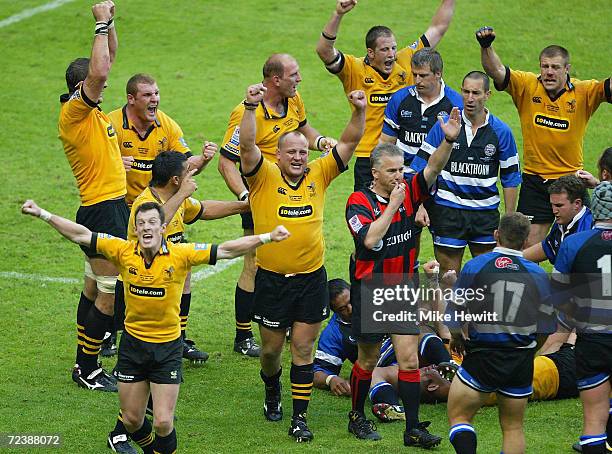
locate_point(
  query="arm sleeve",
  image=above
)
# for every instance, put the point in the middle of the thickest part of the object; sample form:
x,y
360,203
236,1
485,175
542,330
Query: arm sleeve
x,y
509,167
359,216
430,144
201,253
176,139
257,176
330,166
391,124
109,246
330,355
193,210
230,145
77,108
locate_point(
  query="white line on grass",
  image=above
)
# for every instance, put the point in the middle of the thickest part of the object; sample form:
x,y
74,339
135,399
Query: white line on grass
x,y
26,13
198,276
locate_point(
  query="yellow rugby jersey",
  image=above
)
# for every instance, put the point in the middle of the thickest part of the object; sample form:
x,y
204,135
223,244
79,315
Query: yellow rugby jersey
x,y
153,293
269,125
553,129
357,74
90,144
164,134
299,208
188,213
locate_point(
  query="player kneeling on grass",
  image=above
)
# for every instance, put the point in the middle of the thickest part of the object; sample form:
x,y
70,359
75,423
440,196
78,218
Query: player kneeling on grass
x,y
151,348
509,296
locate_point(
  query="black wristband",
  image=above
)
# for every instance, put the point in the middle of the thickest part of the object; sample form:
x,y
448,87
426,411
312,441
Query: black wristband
x,y
250,105
328,37
449,140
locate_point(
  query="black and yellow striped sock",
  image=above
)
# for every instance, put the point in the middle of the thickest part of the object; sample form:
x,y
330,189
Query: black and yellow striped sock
x,y
119,427
301,387
243,303
144,437
90,339
184,313
85,305
165,445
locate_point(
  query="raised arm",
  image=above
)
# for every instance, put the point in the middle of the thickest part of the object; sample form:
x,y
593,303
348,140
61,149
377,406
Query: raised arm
x,y
199,163
188,187
231,175
250,154
325,47
491,63
100,61
378,228
317,141
74,232
217,209
113,42
438,159
240,246
354,129
440,22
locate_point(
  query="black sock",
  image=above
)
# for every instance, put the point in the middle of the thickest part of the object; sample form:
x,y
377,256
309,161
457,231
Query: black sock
x,y
243,303
273,381
95,326
184,314
463,438
85,305
144,437
119,317
383,392
119,427
409,389
301,388
433,350
360,385
165,445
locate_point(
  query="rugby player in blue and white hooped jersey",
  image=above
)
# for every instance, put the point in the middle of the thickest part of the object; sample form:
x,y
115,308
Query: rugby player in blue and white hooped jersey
x,y
507,298
465,209
583,269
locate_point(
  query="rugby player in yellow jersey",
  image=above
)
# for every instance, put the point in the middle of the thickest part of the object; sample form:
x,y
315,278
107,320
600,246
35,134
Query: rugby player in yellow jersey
x,y
291,282
382,72
90,144
280,111
154,272
554,110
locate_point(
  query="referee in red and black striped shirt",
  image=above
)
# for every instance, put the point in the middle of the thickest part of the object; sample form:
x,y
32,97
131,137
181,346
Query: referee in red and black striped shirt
x,y
381,220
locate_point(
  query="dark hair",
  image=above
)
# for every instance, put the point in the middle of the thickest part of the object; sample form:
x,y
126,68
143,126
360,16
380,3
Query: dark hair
x,y
428,56
76,72
570,184
132,85
374,33
384,149
513,230
275,65
478,75
166,165
555,51
605,161
335,287
148,206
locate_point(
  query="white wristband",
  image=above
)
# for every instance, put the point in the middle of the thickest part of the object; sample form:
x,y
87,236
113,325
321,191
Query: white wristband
x,y
318,142
243,195
329,379
265,238
45,215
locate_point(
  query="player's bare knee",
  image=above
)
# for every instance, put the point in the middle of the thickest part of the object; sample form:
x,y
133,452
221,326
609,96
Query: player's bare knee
x,y
163,424
132,420
302,349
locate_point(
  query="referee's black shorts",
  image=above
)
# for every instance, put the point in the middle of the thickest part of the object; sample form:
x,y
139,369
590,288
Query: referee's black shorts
x,y
362,173
110,216
281,300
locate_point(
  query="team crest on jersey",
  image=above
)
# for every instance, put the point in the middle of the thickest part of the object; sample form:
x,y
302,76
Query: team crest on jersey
x,y
505,262
276,128
570,106
402,78
355,224
489,149
110,131
168,273
133,270
162,143
312,189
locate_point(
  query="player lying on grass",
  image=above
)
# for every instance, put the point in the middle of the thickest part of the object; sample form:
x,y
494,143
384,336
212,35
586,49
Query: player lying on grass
x,y
151,348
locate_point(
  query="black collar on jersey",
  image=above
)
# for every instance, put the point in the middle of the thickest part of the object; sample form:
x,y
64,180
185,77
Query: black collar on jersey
x,y
366,60
569,87
66,97
163,250
269,116
126,124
